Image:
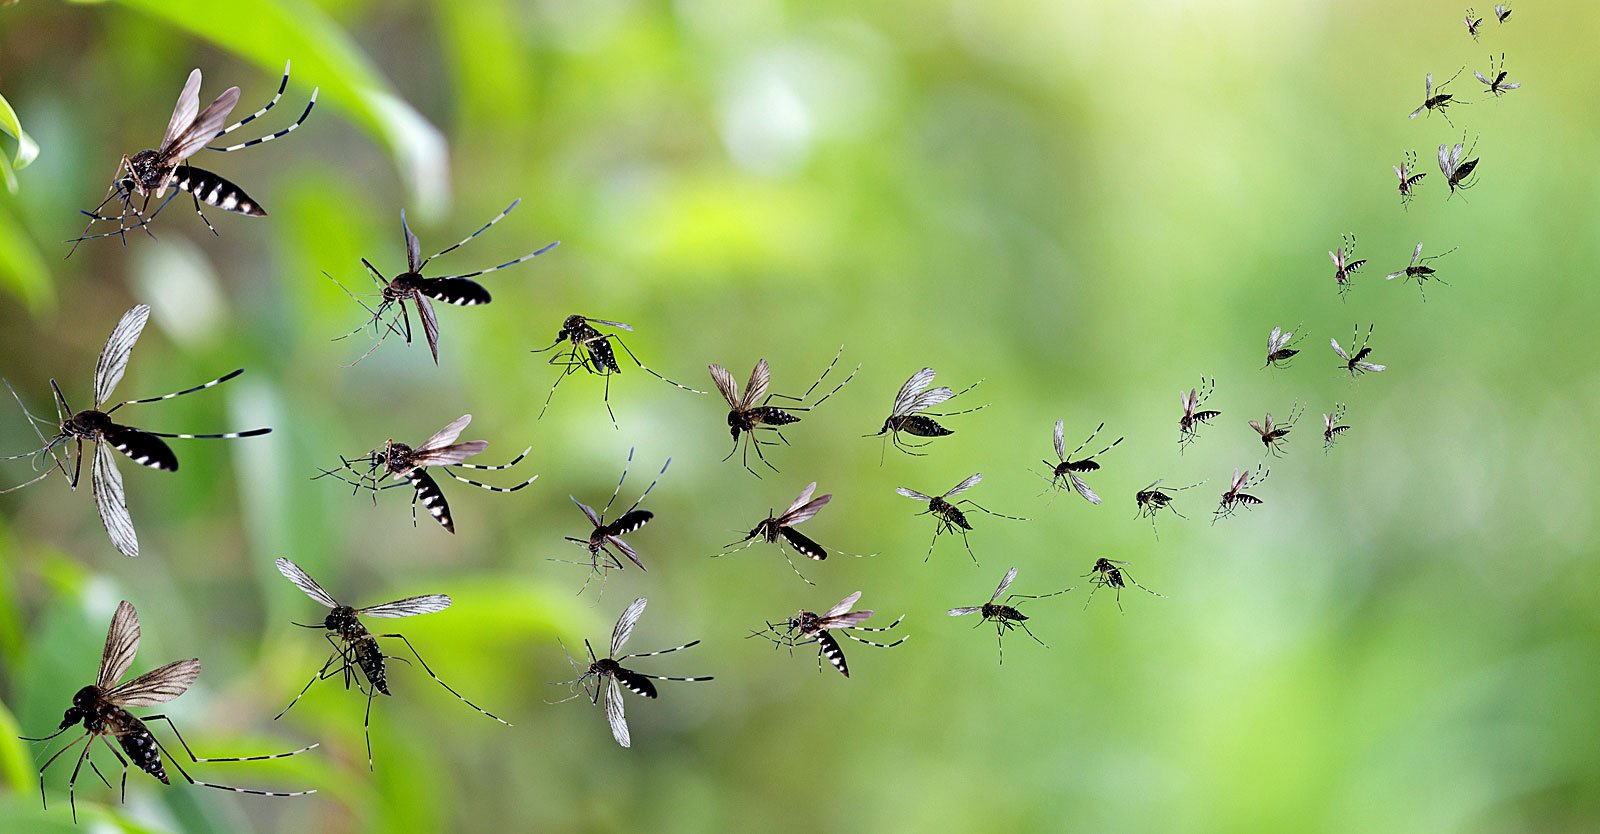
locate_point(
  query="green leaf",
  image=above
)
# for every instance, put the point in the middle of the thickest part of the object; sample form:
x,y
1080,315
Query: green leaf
x,y
27,149
22,268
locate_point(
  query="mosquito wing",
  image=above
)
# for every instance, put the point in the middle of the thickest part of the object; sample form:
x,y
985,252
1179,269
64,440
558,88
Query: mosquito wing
x,y
122,643
304,582
1444,159
430,325
156,686
1188,399
1257,427
625,624
971,481
1481,78
1275,340
1082,488
799,512
1455,155
1004,584
909,391
447,435
725,384
802,498
928,399
958,612
206,126
1369,366
1061,441
413,248
184,112
112,501
1153,484
450,454
588,511
617,324
614,716
113,361
756,388
408,607
913,494
843,606
853,618
1339,350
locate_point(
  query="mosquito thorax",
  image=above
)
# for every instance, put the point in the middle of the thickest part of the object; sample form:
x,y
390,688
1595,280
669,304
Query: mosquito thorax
x,y
605,666
343,620
767,529
86,423
403,285
146,174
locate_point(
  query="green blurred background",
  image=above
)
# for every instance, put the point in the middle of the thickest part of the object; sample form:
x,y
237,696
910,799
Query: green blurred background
x,y
1090,205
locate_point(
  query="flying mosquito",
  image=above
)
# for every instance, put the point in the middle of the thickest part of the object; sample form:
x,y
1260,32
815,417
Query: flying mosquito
x,y
1501,12
910,411
356,652
1281,348
1437,100
411,286
1332,427
1155,498
1067,470
1409,177
1419,269
608,674
1456,172
590,350
1355,361
1273,434
807,627
1236,496
1497,85
1005,616
605,540
95,426
1473,22
779,529
405,463
1112,573
1345,264
149,173
747,417
1193,416
102,709
948,514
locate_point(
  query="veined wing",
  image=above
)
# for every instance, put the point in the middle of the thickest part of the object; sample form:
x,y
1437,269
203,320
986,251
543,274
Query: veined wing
x,y
725,384
1339,350
413,247
804,512
112,501
408,607
1061,441
843,605
122,643
113,361
971,480
183,113
206,126
588,512
304,582
909,391
1082,488
756,388
614,716
625,624
157,686
913,494
447,435
449,455
1004,584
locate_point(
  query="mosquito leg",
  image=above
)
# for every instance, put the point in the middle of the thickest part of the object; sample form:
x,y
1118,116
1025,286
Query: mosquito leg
x,y
197,759
1031,634
991,512
203,217
968,543
440,681
52,760
320,675
647,369
193,781
72,783
121,761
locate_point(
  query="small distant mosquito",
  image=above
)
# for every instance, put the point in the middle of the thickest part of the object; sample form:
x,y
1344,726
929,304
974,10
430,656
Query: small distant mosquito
x,y
607,676
356,653
410,286
1193,416
1473,22
1355,361
807,627
1409,177
779,529
910,411
1497,84
1005,616
1066,471
1332,427
405,463
605,540
590,350
747,417
1155,498
149,173
1112,573
1345,264
1273,434
1236,496
1439,100
1501,12
102,710
948,513
95,426
1419,269
1281,348
1456,172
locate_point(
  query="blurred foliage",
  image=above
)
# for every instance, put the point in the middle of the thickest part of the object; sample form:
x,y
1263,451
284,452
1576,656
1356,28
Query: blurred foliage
x,y
1088,205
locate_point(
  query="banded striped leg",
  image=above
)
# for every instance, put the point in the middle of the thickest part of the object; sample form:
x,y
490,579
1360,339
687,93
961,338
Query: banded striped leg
x,y
198,760
688,645
990,512
514,461
488,486
465,240
846,632
440,681
224,436
201,387
528,257
282,85
340,653
271,136
570,363
647,369
193,781
814,385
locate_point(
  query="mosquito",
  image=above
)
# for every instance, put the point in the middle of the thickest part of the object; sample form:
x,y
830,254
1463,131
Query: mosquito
x,y
1236,497
95,426
807,627
1437,100
1497,85
608,674
910,412
1345,264
1456,172
747,417
1472,23
149,173
1155,498
1409,177
1067,470
590,350
1112,573
1273,434
356,652
605,540
1193,416
410,286
1281,348
1004,616
405,463
1501,12
102,709
1355,361
779,529
948,514
1419,269
1332,427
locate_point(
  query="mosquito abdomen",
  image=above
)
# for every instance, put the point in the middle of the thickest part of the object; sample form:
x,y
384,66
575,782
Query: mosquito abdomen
x,y
213,190
139,744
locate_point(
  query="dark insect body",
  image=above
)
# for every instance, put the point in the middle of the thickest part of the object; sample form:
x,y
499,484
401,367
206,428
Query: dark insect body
x,y
1501,12
1193,415
1472,23
1496,80
1419,269
948,514
779,529
356,652
807,627
1273,435
1458,174
102,709
411,287
1280,348
1155,498
1409,178
751,412
1345,264
96,427
1355,361
149,173
1438,100
1332,427
910,414
1004,615
1112,573
590,350
606,676
1069,467
604,542
1236,497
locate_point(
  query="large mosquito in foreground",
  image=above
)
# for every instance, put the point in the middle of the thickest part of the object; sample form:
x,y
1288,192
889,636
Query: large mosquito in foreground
x,y
1112,573
1155,498
1273,435
910,413
1409,178
1440,100
1332,426
751,413
1193,415
608,674
808,627
356,653
95,426
779,529
1419,269
1236,497
1004,615
1356,360
1070,465
102,709
1281,348
1345,264
149,173
1458,174
590,350
411,287
604,542
405,463
1496,81
948,515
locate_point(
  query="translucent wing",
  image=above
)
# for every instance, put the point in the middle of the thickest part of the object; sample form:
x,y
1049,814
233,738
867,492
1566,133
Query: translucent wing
x,y
1512,86
122,643
450,454
184,112
206,126
1339,350
408,607
853,618
1153,484
1328,419
1369,366
617,324
614,716
802,498
430,325
1188,399
113,359
1455,155
971,480
957,612
447,435
1004,584
588,511
1257,427
1444,159
112,502
908,392
1083,488
843,605
1274,340
625,624
157,686
1481,78
756,388
1061,440
1417,112
725,384
911,493
1427,86
928,399
413,247
304,582
799,512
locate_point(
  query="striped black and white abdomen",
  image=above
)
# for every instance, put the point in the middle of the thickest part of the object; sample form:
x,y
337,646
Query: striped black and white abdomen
x,y
143,448
215,191
432,497
458,291
139,744
634,682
